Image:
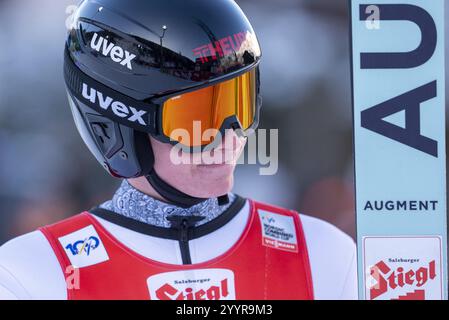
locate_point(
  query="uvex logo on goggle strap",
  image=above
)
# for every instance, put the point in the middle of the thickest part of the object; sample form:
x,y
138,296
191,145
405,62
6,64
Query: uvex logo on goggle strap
x,y
118,108
115,52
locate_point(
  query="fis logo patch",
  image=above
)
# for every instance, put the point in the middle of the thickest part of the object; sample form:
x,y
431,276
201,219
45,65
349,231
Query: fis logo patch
x,y
115,52
84,248
205,284
278,231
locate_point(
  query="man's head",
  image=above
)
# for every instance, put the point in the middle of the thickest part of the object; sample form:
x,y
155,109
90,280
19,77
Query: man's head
x,y
140,68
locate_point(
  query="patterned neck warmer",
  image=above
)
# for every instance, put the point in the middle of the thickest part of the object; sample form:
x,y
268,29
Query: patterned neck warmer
x,y
132,203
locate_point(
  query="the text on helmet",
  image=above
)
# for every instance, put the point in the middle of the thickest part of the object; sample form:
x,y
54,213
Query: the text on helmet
x,y
116,53
118,108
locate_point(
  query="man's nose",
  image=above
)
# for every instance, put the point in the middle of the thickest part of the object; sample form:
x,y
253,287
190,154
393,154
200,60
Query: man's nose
x,y
231,141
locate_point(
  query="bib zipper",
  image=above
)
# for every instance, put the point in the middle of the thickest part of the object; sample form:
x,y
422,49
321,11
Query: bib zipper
x,y
184,226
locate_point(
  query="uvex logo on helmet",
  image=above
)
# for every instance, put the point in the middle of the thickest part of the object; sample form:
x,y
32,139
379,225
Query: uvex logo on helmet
x,y
115,52
118,108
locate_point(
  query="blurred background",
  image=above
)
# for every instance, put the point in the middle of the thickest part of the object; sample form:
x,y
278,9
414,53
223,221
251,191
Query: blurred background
x,y
47,173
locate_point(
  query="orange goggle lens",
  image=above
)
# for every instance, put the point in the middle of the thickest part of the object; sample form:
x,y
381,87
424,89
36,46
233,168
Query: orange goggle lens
x,y
208,108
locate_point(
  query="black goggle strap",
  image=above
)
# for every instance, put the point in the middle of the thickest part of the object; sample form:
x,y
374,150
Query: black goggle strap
x,y
108,102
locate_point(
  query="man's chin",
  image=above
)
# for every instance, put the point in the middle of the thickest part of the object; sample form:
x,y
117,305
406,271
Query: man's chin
x,y
213,189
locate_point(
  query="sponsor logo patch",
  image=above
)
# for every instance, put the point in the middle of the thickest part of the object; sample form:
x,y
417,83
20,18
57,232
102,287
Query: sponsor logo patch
x,y
403,268
84,247
204,284
278,231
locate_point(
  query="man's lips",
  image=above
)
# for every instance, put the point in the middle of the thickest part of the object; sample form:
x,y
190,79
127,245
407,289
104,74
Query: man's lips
x,y
218,158
214,165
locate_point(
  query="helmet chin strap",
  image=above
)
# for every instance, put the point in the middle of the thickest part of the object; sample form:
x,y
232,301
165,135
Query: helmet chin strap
x,y
175,196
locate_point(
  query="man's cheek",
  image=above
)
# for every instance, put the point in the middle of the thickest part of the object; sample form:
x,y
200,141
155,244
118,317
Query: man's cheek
x,y
243,142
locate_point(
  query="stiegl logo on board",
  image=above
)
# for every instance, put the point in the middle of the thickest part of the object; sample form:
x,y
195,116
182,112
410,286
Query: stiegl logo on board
x,y
387,279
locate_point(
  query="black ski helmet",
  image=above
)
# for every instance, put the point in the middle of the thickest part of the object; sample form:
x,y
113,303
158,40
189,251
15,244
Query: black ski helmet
x,y
134,54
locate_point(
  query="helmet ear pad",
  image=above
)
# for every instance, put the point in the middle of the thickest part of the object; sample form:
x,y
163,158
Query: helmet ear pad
x,y
122,151
144,152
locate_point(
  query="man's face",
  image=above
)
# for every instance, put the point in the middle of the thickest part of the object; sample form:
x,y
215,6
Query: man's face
x,y
194,177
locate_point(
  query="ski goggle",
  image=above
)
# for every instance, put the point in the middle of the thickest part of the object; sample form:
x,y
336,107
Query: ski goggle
x,y
194,119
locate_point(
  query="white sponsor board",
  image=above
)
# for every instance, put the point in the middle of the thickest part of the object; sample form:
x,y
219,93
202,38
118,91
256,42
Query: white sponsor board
x,y
403,268
398,63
